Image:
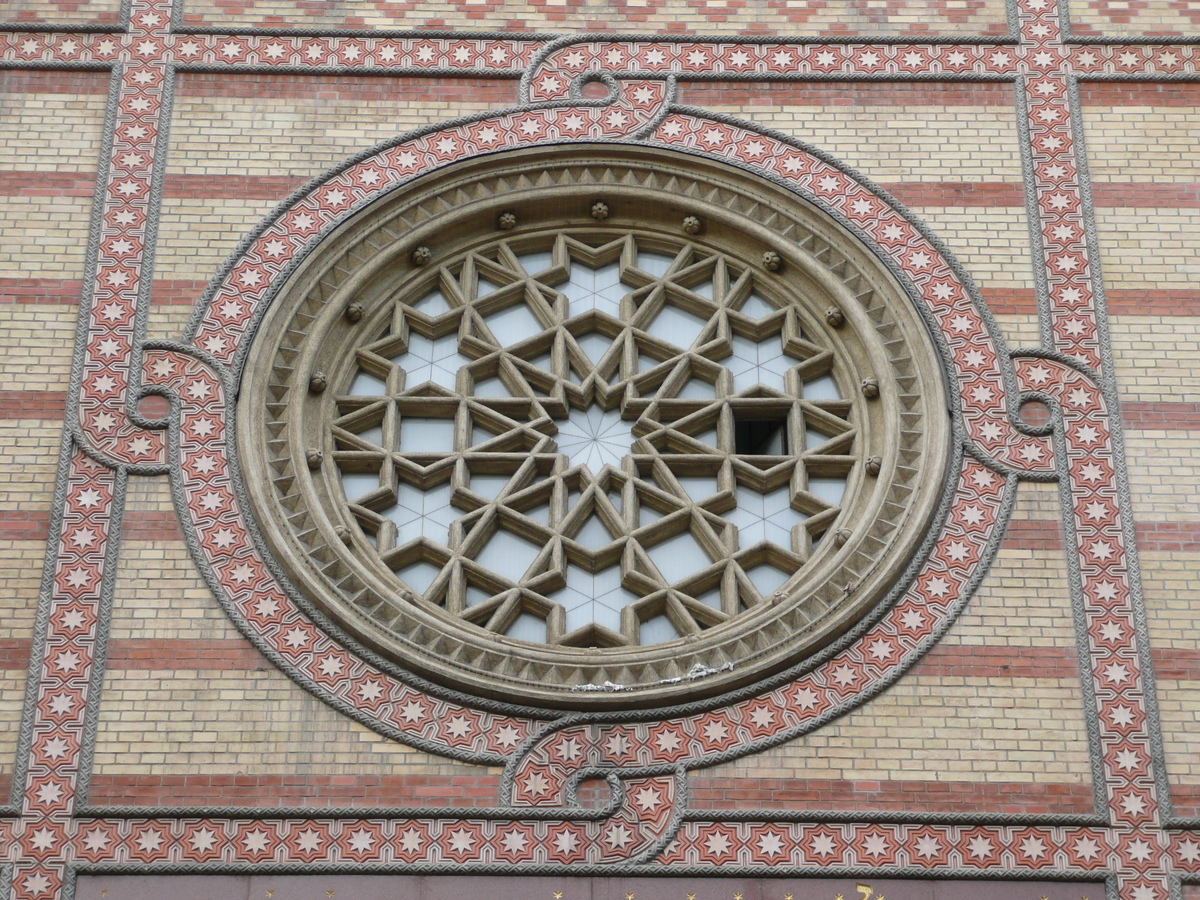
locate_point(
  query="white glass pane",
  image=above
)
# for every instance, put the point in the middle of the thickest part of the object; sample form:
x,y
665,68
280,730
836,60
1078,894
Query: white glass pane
x,y
711,598
591,598
823,388
357,484
373,435
678,557
420,513
648,514
491,387
419,576
657,630
590,289
486,287
475,595
437,361
756,307
593,534
594,345
423,435
535,263
528,627
676,326
700,486
814,439
764,517
512,325
761,363
595,438
655,264
766,579
507,555
367,385
433,304
538,514
488,486
704,290
696,389
828,489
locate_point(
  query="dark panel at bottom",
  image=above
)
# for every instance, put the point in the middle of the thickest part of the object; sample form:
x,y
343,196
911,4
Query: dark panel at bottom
x,y
519,887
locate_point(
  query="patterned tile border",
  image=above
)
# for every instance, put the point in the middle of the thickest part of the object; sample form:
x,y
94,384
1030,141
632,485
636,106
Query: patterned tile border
x,y
1131,841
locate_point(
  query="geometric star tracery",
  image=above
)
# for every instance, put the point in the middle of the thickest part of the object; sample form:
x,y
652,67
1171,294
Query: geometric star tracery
x,y
521,385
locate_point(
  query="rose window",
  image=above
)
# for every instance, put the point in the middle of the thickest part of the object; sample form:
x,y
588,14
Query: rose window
x,y
585,438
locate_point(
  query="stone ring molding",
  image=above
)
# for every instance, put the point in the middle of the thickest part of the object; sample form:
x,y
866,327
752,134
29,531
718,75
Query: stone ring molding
x,y
985,453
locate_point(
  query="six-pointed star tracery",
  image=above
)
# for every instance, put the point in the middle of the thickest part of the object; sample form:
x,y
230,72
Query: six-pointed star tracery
x,y
551,442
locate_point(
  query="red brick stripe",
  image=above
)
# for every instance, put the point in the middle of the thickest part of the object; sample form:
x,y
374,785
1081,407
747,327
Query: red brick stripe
x,y
14,653
151,525
1185,800
166,292
1033,534
1127,93
32,404
1154,416
842,94
409,89
1039,534
1147,302
47,184
48,291
32,81
193,655
715,793
957,193
1146,195
231,187
1168,536
139,525
959,661
1176,665
23,524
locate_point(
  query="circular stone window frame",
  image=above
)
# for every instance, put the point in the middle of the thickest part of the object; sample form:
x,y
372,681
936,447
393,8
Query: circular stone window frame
x,y
448,206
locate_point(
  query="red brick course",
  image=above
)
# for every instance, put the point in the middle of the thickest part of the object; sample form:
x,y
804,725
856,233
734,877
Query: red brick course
x,y
410,89
839,93
907,796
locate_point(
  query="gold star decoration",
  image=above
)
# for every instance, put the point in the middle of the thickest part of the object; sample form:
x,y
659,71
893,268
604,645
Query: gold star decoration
x,y
737,896
787,897
270,893
558,895
629,897
691,897
329,893
104,892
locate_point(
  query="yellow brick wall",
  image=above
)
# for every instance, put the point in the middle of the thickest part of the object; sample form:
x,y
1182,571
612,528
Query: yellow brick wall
x,y
674,16
250,721
50,129
1133,19
1148,250
964,729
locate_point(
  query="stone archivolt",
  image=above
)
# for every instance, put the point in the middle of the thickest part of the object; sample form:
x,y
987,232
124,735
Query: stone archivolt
x,y
457,497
